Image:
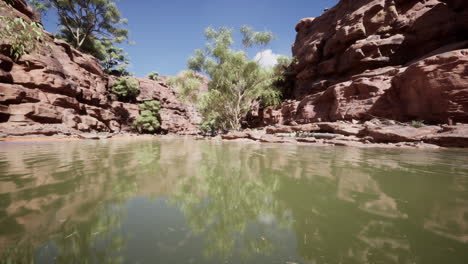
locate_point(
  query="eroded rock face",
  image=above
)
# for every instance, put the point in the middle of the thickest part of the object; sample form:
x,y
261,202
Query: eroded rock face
x,y
435,89
61,88
403,60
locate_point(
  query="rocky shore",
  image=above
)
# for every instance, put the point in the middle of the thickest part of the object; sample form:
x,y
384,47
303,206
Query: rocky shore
x,y
371,134
374,133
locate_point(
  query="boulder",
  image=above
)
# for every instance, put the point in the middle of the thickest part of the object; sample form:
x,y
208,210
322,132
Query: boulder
x,y
292,129
399,133
346,129
273,139
307,140
235,135
450,136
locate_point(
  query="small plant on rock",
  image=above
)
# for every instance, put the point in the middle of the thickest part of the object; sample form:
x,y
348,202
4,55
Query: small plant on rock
x,y
18,36
148,121
126,89
153,76
417,123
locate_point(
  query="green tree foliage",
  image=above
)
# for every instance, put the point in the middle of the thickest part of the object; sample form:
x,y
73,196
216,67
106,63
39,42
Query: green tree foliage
x,y
417,123
148,121
187,83
153,76
17,36
94,27
83,20
112,58
282,65
282,82
237,83
127,89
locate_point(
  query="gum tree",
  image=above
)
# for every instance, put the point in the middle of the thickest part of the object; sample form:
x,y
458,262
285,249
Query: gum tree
x,y
91,26
236,83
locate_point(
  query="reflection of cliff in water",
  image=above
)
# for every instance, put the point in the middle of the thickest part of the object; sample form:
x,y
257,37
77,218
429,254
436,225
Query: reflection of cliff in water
x,y
55,190
346,211
342,205
65,190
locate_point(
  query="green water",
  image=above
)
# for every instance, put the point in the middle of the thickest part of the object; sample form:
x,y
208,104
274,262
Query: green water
x,y
184,201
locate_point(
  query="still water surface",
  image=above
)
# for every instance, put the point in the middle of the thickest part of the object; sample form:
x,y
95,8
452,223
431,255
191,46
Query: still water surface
x,y
184,201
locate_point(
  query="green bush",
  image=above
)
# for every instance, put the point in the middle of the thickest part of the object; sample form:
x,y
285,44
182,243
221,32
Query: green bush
x,y
20,36
126,89
153,106
148,121
188,85
417,123
153,76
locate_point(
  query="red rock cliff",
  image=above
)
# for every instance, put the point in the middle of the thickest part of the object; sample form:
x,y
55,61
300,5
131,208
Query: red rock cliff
x,y
397,59
61,90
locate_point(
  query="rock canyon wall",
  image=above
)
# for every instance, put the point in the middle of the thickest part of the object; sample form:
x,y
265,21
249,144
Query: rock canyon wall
x,y
403,60
59,90
397,59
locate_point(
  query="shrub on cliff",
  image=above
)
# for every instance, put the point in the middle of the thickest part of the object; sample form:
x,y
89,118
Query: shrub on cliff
x,y
126,89
237,83
153,76
417,123
148,121
187,84
17,36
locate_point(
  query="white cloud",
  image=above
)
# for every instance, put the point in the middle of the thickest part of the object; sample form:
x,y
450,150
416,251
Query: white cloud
x,y
267,58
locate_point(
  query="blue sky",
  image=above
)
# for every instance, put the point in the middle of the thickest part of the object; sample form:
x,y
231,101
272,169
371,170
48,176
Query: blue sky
x,y
167,32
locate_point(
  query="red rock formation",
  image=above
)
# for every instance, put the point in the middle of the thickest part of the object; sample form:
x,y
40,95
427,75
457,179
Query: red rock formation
x,y
397,59
61,86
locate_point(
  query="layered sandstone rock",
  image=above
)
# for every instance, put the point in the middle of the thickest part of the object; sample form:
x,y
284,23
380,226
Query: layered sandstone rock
x,y
61,90
402,60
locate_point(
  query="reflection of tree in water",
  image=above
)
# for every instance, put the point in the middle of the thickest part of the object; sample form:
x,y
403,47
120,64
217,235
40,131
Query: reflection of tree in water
x,y
22,254
223,198
93,241
346,208
83,204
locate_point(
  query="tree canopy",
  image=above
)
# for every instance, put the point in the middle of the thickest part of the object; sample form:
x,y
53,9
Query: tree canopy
x,y
236,83
92,26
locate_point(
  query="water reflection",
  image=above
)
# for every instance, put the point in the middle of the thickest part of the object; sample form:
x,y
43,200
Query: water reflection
x,y
141,201
222,202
